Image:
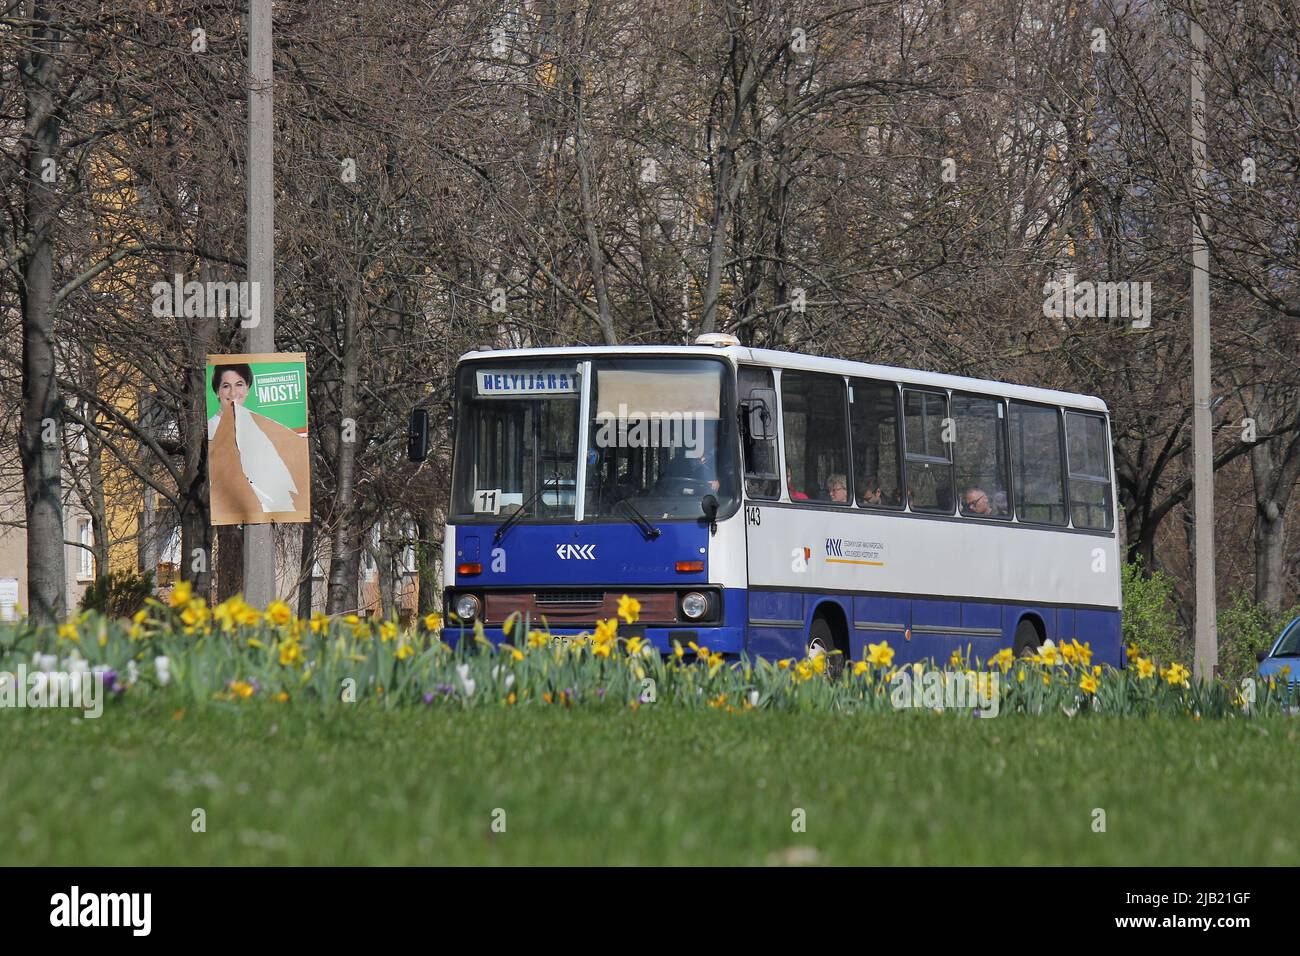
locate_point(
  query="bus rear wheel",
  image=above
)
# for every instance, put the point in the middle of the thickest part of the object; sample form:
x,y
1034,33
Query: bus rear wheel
x,y
821,642
1028,639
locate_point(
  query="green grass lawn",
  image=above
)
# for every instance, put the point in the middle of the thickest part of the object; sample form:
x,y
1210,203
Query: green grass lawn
x,y
659,786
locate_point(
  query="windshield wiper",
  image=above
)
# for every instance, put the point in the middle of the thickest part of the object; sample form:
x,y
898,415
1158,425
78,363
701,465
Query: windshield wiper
x,y
523,508
641,521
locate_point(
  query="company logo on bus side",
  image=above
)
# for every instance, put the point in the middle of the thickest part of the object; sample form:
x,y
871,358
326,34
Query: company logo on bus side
x,y
582,552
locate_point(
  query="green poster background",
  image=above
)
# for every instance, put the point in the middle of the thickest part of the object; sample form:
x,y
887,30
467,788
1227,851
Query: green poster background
x,y
288,368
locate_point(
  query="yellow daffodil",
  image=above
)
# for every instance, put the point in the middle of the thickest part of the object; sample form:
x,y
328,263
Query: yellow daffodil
x,y
860,668
290,653
278,613
881,655
1003,659
246,615
1177,676
320,623
516,654
635,645
629,609
606,633
602,649
180,595
804,670
68,632
1088,684
433,622
404,650
282,697
387,631
1068,653
956,660
1146,668
537,638
242,689
1083,652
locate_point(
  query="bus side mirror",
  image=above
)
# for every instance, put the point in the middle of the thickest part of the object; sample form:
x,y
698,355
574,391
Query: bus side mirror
x,y
709,505
417,435
760,414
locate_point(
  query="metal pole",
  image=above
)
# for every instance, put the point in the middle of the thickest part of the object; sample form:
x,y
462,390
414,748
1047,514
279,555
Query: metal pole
x,y
259,540
1207,638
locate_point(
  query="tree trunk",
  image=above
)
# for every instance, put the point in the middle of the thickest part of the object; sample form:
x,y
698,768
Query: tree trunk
x,y
230,561
306,569
344,545
40,445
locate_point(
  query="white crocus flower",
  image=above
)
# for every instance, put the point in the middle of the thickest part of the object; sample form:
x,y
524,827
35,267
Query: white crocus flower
x,y
163,667
466,682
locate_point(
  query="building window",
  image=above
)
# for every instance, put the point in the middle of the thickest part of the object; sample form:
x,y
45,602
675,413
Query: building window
x,y
408,552
86,554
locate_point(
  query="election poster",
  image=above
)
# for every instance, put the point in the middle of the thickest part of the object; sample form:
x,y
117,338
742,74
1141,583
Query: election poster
x,y
259,466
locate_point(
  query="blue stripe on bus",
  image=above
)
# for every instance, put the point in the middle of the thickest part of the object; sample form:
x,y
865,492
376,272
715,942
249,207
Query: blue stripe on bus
x,y
937,626
774,625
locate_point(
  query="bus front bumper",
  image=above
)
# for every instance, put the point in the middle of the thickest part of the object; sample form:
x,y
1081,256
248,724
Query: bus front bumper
x,y
719,640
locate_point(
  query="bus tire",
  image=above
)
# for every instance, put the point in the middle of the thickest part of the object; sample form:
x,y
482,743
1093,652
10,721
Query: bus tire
x,y
821,641
1028,640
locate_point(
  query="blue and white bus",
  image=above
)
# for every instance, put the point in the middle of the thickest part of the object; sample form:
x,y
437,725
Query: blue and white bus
x,y
777,504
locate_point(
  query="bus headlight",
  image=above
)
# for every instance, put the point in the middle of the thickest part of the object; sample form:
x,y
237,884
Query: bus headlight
x,y
695,605
467,607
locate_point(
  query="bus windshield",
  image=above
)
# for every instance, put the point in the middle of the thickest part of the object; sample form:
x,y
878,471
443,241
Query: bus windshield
x,y
660,439
518,431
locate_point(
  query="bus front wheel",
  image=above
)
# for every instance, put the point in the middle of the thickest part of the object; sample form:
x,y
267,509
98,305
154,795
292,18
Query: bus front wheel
x,y
821,641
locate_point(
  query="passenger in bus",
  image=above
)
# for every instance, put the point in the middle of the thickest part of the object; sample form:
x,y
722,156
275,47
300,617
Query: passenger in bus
x,y
837,487
976,502
869,491
795,494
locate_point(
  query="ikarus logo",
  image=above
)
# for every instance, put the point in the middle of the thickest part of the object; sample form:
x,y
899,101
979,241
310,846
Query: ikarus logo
x,y
581,552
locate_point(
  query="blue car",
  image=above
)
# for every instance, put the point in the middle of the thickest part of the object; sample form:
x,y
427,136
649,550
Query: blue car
x,y
1285,652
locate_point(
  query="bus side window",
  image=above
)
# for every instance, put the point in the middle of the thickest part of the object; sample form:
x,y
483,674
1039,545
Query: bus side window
x,y
1039,483
928,456
981,458
1090,494
760,456
815,423
873,413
